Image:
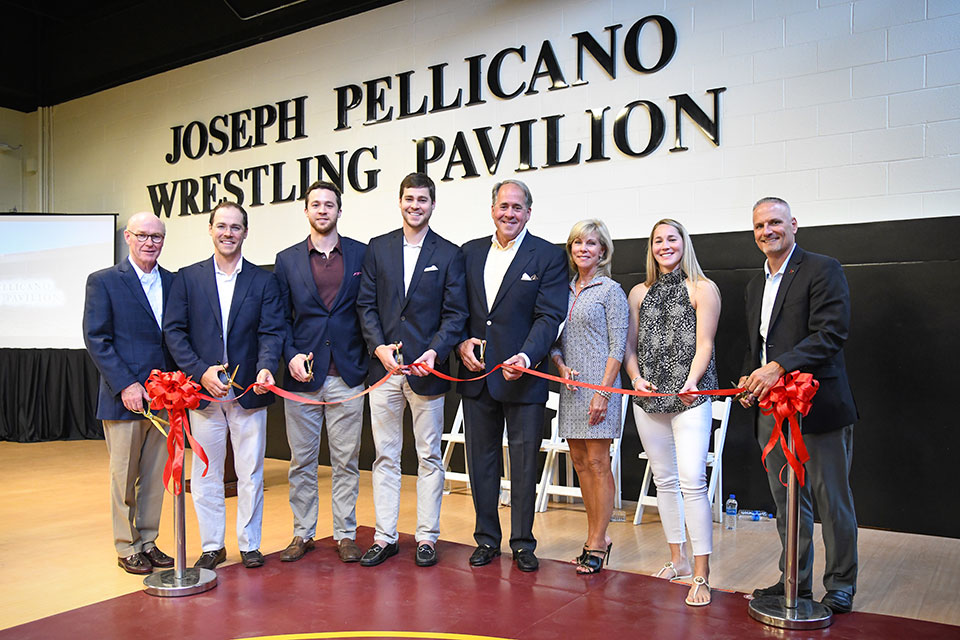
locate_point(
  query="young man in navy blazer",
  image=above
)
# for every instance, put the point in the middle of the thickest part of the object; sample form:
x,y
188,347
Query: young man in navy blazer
x,y
412,303
798,317
224,317
319,278
517,296
122,317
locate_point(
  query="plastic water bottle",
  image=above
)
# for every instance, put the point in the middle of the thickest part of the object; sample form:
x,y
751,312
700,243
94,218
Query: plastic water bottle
x,y
730,513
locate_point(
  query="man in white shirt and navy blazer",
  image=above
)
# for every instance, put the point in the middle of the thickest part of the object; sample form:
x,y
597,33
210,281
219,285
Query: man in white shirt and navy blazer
x,y
224,317
412,303
122,318
517,296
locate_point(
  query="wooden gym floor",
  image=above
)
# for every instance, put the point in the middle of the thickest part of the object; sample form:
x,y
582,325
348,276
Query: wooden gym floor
x,y
56,551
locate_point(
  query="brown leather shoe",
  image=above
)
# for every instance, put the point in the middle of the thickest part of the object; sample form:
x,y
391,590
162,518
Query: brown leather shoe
x,y
136,564
348,550
297,548
158,558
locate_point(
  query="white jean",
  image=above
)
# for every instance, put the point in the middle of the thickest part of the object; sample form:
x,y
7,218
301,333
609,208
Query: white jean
x,y
248,437
386,419
676,445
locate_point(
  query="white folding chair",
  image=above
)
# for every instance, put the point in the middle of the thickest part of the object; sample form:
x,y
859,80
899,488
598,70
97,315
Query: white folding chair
x,y
456,436
557,446
452,439
721,414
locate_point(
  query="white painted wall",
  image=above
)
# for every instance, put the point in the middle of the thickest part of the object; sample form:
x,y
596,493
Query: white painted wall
x,y
850,110
18,177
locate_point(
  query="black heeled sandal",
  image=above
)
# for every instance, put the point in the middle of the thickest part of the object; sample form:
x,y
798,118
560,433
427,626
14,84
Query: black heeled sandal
x,y
593,559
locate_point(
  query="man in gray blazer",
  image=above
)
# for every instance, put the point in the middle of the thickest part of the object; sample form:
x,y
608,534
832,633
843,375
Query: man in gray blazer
x,y
798,317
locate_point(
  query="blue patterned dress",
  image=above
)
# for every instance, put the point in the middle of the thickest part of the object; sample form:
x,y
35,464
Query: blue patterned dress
x,y
595,329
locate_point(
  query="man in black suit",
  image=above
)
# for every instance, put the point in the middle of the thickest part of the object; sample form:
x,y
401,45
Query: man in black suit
x,y
411,301
798,317
122,317
517,297
224,317
319,278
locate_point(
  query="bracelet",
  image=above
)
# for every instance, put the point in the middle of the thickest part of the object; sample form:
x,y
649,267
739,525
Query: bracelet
x,y
605,394
634,381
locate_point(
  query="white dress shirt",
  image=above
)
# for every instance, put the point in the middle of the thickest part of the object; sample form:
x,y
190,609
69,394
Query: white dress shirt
x,y
152,288
411,253
499,259
771,286
226,283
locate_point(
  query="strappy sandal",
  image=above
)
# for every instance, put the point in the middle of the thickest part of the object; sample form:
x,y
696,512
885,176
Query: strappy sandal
x,y
669,566
698,582
592,560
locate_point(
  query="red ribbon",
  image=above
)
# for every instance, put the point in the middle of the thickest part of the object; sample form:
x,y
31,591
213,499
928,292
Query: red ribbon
x,y
789,396
175,392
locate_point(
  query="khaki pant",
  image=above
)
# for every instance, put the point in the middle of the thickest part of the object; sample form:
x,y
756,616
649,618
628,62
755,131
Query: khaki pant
x,y
137,457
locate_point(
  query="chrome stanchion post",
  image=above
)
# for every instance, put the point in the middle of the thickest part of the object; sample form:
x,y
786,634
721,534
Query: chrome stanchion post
x,y
180,581
788,611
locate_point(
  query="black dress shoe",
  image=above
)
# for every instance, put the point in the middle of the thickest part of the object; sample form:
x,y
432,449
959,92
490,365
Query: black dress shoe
x,y
252,559
778,590
136,564
426,556
377,554
483,554
210,559
838,601
158,558
525,560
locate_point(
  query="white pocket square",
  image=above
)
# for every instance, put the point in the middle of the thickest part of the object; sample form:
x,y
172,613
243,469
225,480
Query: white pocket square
x,y
527,278
432,267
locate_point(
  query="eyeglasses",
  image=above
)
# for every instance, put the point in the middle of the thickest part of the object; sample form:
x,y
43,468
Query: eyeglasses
x,y
157,238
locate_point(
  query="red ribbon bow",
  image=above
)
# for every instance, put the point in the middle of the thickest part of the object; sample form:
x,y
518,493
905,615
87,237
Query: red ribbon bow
x,y
175,392
789,396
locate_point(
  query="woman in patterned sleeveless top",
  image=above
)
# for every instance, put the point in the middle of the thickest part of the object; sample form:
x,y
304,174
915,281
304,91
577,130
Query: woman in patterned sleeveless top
x,y
590,349
673,322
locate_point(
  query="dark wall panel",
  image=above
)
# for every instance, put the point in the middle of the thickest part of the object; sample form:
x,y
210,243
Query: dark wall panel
x,y
903,336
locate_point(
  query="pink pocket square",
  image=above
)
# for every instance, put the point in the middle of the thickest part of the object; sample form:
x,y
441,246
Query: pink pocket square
x,y
356,273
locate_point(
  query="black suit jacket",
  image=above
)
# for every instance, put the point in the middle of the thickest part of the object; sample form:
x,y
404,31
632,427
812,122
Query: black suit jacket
x,y
808,327
122,335
431,314
525,316
311,327
194,330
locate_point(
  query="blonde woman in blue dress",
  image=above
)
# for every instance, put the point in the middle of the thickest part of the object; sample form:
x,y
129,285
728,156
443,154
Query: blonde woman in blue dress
x,y
590,349
673,323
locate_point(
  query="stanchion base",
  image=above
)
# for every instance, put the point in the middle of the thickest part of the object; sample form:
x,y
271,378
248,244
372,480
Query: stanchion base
x,y
772,610
165,583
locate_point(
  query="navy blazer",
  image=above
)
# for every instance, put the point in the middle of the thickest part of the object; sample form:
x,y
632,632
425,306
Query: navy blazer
x,y
808,327
311,326
194,330
525,317
431,314
122,335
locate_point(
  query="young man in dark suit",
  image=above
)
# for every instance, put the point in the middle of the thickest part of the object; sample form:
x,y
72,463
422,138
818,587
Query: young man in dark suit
x,y
122,318
224,317
798,317
517,297
319,278
412,302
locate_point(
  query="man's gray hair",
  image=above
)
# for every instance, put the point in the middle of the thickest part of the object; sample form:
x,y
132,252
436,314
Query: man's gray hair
x,y
526,191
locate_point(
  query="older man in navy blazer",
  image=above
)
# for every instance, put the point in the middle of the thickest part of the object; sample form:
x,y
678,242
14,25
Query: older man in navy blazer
x,y
319,278
516,291
412,301
122,316
798,317
224,317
